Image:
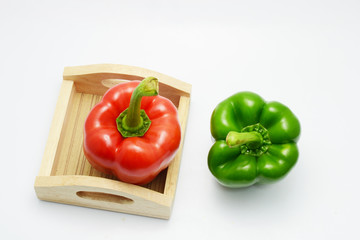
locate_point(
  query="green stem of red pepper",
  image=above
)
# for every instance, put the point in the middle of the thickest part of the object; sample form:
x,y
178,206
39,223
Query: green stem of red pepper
x,y
134,122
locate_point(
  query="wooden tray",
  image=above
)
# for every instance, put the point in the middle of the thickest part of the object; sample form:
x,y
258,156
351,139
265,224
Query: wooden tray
x,y
66,176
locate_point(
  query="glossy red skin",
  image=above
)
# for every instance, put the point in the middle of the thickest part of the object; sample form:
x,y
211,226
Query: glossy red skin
x,y
136,160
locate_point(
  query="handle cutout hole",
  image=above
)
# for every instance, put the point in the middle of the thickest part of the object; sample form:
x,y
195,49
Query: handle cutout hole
x,y
105,197
109,83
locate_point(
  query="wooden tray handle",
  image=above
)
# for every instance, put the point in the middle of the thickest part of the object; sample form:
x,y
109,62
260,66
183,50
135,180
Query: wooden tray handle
x,y
103,193
97,78
105,197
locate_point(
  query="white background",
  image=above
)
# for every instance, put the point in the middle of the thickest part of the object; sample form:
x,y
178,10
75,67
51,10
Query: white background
x,y
304,54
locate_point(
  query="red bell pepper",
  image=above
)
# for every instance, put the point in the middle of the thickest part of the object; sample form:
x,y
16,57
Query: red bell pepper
x,y
133,133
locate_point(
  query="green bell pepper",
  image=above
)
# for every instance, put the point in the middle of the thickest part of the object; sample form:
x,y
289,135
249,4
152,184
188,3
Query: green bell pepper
x,y
255,141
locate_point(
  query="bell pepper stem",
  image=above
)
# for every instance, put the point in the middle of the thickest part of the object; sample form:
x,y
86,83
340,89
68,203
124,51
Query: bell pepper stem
x,y
236,139
147,87
134,121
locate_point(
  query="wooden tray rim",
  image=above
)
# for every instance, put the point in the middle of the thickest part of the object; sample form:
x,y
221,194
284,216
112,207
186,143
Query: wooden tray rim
x,y
73,75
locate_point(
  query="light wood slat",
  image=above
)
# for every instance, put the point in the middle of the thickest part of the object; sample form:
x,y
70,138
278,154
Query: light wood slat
x,y
86,168
75,147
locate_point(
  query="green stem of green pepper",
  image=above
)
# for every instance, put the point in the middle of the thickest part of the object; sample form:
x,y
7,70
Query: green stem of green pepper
x,y
134,121
252,139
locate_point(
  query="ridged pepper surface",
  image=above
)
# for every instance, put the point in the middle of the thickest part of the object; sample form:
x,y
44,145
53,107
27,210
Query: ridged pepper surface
x,y
133,133
255,141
